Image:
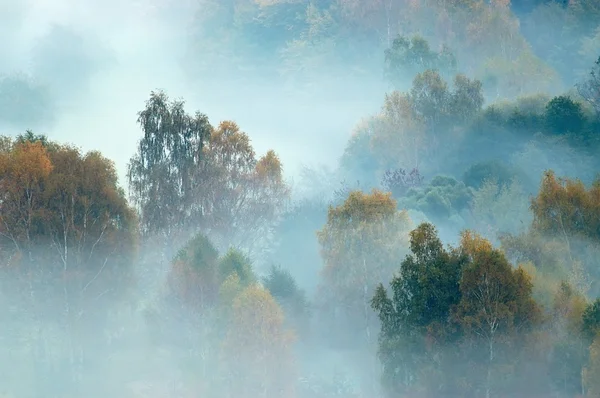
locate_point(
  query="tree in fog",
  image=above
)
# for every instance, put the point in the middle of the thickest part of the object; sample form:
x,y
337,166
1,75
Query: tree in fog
x,y
243,196
257,356
163,174
416,315
496,307
361,244
188,176
68,237
453,317
408,56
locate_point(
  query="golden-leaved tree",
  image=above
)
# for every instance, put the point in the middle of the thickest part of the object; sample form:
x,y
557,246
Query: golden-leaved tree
x,y
361,244
243,195
566,217
496,310
256,354
67,238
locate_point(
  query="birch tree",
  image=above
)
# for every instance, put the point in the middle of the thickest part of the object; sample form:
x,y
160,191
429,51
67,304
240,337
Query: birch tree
x,y
496,301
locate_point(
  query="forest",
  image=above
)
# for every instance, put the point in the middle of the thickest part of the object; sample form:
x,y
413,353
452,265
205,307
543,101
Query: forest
x,y
453,250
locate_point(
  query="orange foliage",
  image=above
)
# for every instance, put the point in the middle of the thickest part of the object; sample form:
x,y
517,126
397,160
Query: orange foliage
x,y
564,206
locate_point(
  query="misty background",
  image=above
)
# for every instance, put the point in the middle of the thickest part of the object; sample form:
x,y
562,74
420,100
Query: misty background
x,y
320,82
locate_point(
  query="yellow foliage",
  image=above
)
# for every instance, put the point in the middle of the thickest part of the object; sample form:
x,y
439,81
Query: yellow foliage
x,y
258,346
361,207
564,206
27,164
269,166
229,290
473,244
545,287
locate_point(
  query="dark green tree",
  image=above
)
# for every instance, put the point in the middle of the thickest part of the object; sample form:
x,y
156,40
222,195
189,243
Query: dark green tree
x,y
563,115
591,320
283,287
415,320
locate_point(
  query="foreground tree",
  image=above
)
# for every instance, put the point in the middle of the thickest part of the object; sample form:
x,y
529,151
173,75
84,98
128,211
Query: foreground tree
x,y
496,306
415,317
454,316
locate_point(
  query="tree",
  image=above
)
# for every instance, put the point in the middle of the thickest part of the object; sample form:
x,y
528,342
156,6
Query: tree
x,y
408,57
569,353
398,133
242,196
198,272
591,371
284,289
443,198
563,115
23,169
398,182
496,302
163,174
564,207
493,201
65,218
416,317
257,354
590,89
360,245
195,277
591,320
479,173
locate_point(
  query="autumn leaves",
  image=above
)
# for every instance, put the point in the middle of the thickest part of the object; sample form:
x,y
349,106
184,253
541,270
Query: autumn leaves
x,y
187,173
62,207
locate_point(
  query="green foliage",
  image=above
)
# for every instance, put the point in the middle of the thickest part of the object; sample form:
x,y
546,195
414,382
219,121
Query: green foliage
x,y
441,299
280,283
407,57
477,174
591,320
236,262
442,198
199,253
162,174
563,115
284,289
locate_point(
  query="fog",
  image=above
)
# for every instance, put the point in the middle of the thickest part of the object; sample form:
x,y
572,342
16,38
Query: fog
x,y
130,48
210,274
